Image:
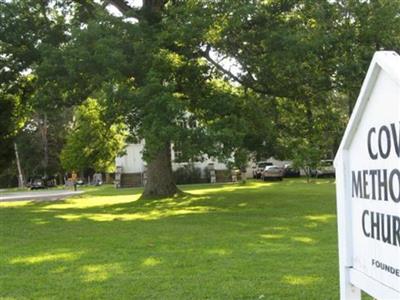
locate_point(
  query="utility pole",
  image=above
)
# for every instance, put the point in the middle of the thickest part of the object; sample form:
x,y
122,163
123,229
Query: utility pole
x,y
46,145
20,176
43,132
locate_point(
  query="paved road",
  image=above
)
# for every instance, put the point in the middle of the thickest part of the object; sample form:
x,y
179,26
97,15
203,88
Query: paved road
x,y
38,195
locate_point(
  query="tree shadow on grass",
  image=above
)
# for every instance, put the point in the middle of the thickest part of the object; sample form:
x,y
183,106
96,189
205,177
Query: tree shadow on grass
x,y
243,244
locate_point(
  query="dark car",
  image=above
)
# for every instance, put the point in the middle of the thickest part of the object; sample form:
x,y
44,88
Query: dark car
x,y
37,183
50,181
290,171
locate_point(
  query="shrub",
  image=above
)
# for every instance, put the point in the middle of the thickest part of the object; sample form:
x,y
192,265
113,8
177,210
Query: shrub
x,y
188,174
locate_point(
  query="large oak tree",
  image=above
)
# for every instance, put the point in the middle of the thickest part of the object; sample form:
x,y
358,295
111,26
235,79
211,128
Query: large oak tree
x,y
148,68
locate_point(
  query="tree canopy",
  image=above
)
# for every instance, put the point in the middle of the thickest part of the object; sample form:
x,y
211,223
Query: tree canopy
x,y
161,69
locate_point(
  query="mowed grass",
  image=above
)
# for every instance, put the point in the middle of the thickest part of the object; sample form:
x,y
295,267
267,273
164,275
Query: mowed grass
x,y
273,240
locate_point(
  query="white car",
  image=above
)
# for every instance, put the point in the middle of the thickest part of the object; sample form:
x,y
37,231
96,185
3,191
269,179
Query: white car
x,y
272,172
326,169
259,168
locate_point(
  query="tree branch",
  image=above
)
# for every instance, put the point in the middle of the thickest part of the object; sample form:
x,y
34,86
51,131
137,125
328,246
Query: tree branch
x,y
243,82
206,55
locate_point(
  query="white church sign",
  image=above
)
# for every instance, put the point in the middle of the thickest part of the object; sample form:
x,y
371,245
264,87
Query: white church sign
x,y
368,186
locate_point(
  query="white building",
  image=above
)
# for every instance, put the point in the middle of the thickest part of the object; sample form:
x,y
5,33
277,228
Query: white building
x,y
132,167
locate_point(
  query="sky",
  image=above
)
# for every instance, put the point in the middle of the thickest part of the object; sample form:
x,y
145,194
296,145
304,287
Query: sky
x,y
115,12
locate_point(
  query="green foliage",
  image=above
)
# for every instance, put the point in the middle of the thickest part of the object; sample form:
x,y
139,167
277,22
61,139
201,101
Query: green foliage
x,y
365,27
13,115
285,48
26,27
307,57
8,175
309,131
8,126
41,141
92,143
188,174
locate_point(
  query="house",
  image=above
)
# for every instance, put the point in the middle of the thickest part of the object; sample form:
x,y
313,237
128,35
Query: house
x,y
131,168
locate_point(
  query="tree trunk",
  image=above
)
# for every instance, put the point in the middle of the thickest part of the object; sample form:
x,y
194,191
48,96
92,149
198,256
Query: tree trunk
x,y
307,171
46,146
243,174
160,182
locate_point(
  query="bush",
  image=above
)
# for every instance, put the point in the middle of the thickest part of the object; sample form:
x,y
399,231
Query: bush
x,y
8,177
188,174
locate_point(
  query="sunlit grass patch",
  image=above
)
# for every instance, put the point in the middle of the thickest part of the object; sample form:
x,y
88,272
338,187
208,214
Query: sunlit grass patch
x,y
87,202
321,218
151,215
230,187
100,272
300,280
14,203
272,236
303,239
220,252
151,262
45,257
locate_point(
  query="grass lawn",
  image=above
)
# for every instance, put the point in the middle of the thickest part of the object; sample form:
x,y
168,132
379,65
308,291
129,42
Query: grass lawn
x,y
274,240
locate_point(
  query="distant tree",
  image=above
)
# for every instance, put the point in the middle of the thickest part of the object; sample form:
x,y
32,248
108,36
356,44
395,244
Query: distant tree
x,y
9,124
41,140
24,28
363,27
92,143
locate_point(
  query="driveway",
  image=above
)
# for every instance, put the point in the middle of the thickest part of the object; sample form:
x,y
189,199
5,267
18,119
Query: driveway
x,y
38,195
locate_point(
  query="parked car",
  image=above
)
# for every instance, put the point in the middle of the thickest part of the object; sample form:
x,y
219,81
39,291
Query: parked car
x,y
290,171
50,181
36,184
272,172
259,168
325,169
